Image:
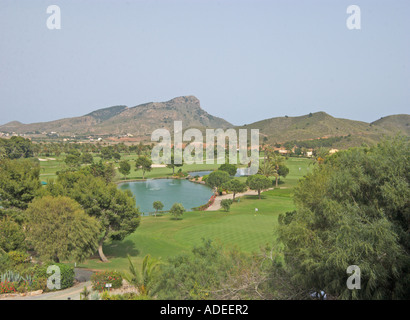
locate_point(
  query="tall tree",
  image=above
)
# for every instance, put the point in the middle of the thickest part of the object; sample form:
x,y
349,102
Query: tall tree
x,y
19,182
353,209
258,182
115,209
58,228
217,178
157,205
227,167
172,165
124,168
235,186
177,210
144,164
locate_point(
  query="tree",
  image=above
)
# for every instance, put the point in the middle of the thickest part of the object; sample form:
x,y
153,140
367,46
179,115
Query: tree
x,y
172,165
102,170
217,178
230,168
283,170
267,169
19,182
87,158
58,228
320,155
12,237
149,270
124,168
115,209
106,153
177,210
72,160
353,210
276,160
209,272
235,186
157,205
116,156
16,148
226,204
258,182
144,164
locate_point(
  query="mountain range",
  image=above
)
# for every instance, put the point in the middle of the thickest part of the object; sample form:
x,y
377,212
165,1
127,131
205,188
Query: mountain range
x,y
143,119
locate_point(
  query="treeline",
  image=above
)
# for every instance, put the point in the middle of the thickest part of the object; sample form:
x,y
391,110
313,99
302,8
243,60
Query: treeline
x,y
15,148
316,143
68,219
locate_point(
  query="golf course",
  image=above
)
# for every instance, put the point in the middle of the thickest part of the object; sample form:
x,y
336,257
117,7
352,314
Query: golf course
x,y
242,227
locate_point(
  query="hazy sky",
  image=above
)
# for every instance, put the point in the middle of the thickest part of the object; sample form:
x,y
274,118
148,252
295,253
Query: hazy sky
x,y
244,60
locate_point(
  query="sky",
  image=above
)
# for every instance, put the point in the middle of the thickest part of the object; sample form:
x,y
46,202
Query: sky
x,y
244,60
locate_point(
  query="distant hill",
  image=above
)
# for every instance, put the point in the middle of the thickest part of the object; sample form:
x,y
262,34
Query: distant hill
x,y
143,119
140,120
395,123
322,125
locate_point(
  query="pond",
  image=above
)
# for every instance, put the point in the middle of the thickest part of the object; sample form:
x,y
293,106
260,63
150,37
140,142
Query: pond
x,y
240,172
168,191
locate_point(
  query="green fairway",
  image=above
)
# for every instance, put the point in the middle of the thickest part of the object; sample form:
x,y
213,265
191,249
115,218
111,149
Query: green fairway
x,y
161,236
242,227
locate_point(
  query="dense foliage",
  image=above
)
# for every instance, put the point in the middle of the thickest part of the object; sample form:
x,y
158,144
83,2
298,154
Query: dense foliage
x,y
353,210
58,228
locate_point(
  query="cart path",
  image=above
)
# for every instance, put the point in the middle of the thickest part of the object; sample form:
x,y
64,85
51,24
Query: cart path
x,y
73,293
217,203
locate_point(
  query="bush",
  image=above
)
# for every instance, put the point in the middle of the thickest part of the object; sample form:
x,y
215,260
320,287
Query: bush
x,y
100,279
18,257
226,204
67,274
5,263
125,296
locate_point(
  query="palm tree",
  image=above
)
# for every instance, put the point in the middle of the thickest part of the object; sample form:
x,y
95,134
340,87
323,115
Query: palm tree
x,y
142,280
271,164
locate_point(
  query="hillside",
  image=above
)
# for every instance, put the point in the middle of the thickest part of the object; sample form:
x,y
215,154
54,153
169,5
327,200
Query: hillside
x,y
140,120
317,125
395,123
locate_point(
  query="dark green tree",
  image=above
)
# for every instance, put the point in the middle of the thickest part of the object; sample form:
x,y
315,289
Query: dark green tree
x,y
115,209
353,209
258,182
144,164
19,182
217,178
230,168
235,186
58,228
124,168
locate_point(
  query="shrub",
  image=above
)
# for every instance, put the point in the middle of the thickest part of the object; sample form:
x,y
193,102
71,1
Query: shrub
x,y
18,257
226,204
100,279
67,274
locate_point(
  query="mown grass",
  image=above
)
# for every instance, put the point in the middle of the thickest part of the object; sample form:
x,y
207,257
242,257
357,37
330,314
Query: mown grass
x,y
242,227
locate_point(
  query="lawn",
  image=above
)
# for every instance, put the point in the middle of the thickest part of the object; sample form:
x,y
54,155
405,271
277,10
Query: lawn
x,y
242,227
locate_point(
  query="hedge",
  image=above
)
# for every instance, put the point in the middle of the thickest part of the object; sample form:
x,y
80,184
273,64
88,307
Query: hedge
x,y
67,274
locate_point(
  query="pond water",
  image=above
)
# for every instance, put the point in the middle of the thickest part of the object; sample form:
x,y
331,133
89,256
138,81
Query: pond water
x,y
168,191
240,172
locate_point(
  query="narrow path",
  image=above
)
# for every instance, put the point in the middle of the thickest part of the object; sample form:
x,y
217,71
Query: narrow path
x,y
217,203
73,293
